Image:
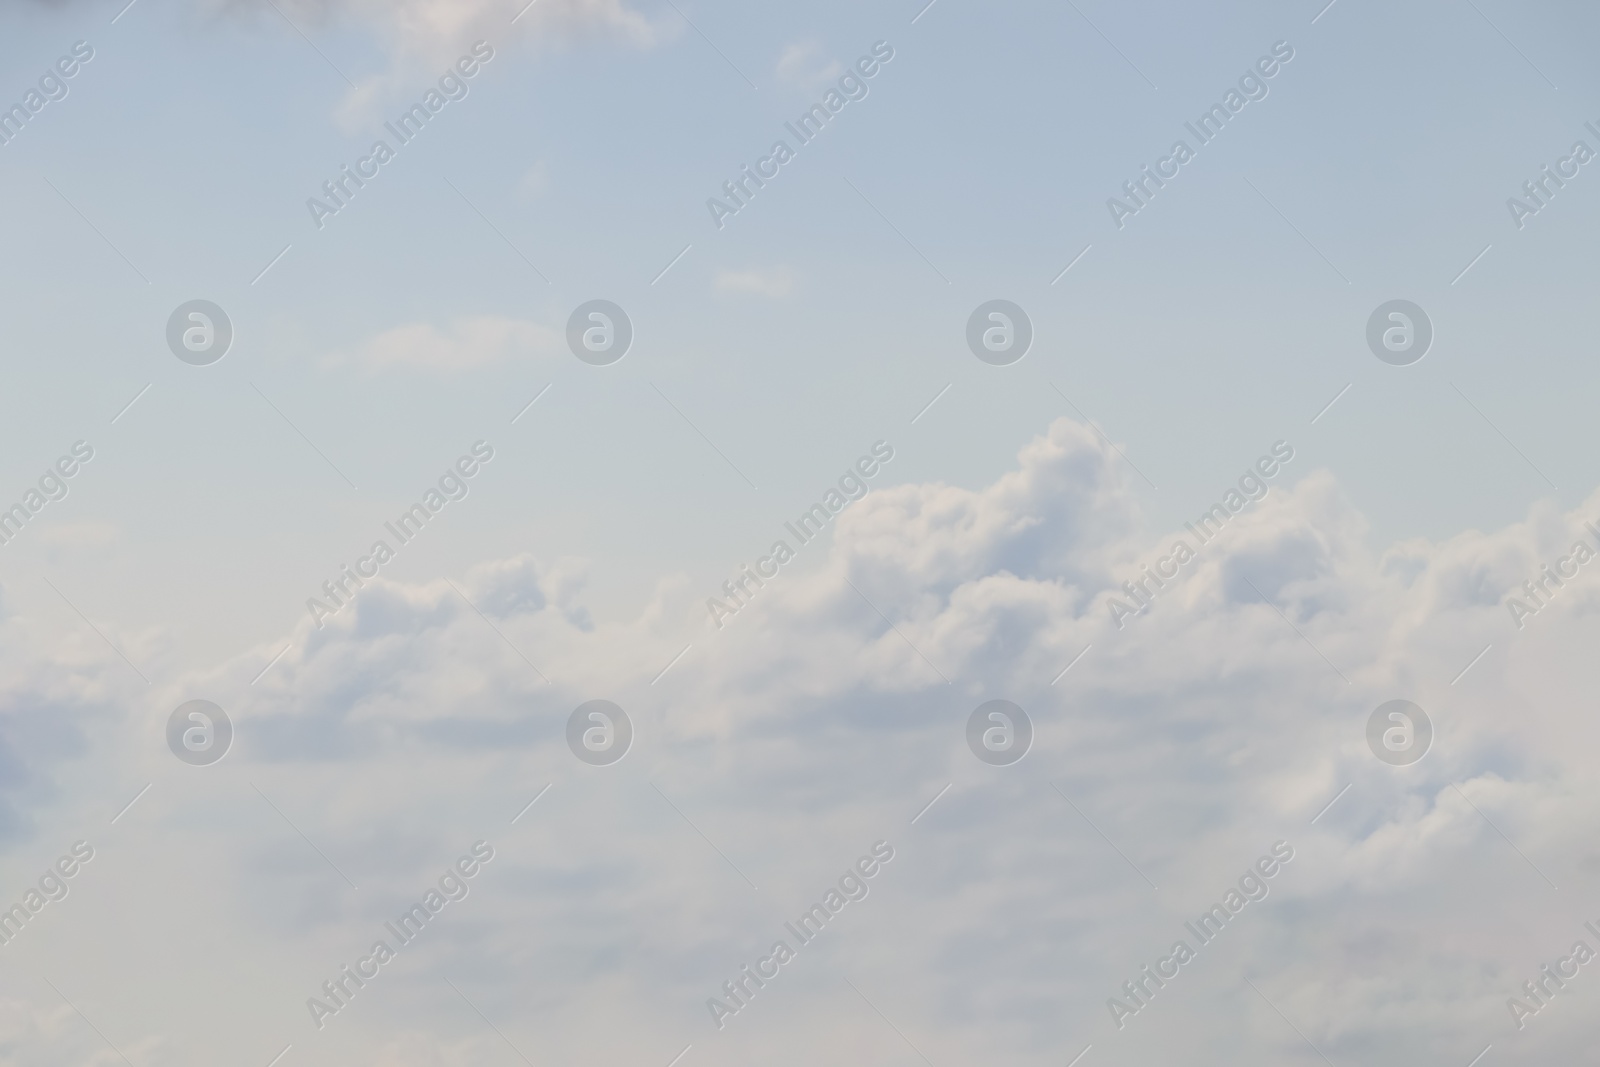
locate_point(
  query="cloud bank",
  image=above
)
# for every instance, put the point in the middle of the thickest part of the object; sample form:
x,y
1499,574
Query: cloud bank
x,y
828,714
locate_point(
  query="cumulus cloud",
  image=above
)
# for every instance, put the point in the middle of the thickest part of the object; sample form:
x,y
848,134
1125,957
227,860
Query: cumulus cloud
x,y
831,709
469,343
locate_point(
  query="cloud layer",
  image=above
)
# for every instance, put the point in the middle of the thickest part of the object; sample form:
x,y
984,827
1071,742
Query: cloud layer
x,y
1174,752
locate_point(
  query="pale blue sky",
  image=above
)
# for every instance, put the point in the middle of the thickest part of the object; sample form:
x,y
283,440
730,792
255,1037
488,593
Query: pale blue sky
x,y
768,355
1196,335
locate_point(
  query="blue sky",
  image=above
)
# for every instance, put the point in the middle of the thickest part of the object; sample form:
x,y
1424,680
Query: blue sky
x,y
768,354
1202,330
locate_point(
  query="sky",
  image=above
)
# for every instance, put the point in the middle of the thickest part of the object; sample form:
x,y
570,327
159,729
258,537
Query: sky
x,y
180,514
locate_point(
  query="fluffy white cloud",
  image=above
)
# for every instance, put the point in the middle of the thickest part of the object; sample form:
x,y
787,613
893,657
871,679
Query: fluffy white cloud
x,y
1175,752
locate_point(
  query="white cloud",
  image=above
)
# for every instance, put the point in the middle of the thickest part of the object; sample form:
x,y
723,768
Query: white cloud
x,y
423,37
808,727
468,344
776,282
800,65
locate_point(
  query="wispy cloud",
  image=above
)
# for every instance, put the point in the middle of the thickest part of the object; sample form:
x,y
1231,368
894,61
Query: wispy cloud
x,y
467,344
773,282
